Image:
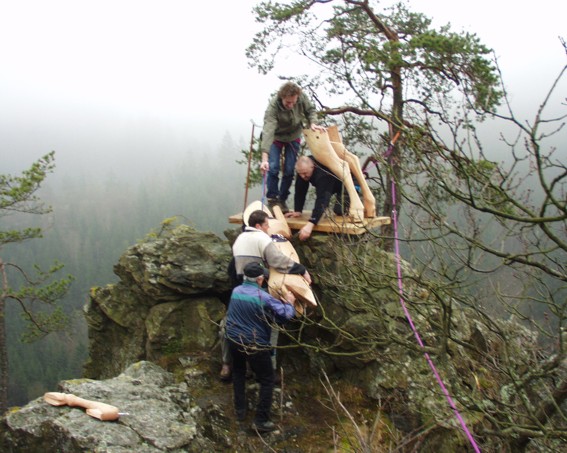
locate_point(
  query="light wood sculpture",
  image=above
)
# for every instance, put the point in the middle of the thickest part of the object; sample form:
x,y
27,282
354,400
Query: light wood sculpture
x,y
95,409
328,149
278,225
278,283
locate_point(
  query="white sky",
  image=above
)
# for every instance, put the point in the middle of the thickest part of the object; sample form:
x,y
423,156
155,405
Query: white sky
x,y
181,63
163,58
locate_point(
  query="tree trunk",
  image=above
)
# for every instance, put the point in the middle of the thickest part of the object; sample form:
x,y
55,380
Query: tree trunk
x,y
392,200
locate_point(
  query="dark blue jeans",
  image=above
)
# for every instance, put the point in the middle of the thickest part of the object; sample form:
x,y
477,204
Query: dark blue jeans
x,y
261,363
291,151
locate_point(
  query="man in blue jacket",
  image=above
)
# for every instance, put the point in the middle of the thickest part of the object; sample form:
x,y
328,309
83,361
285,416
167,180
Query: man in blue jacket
x,y
256,245
251,313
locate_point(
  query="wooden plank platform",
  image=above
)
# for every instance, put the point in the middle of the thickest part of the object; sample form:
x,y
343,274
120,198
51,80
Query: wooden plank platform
x,y
336,224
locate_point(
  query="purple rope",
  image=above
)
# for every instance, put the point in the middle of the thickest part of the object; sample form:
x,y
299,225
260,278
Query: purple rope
x,y
409,318
264,188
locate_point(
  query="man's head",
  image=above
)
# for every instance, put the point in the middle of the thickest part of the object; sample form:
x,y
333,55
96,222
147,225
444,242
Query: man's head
x,y
289,94
259,219
304,167
255,272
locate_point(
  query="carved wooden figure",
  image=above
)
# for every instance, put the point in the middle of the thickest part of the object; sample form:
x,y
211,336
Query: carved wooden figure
x,y
328,149
95,409
278,283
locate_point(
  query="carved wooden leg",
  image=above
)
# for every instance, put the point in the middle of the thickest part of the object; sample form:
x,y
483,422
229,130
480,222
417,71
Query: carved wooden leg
x,y
354,165
278,224
323,151
95,409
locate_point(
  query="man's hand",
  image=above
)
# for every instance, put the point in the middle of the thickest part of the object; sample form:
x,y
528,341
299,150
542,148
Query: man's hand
x,y
290,298
307,278
316,127
264,166
306,231
293,214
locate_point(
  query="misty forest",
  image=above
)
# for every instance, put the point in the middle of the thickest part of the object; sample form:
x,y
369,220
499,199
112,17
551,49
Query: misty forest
x,y
95,216
478,192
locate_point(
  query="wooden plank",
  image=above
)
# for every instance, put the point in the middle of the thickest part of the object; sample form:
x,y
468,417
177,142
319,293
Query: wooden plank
x,y
336,224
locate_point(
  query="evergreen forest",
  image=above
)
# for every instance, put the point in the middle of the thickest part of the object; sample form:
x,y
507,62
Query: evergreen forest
x,y
95,217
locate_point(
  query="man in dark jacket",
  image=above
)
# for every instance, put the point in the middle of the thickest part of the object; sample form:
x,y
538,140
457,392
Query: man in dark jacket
x,y
251,313
326,184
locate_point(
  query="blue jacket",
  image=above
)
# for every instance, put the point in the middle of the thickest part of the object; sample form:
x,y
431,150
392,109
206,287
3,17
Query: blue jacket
x,y
250,312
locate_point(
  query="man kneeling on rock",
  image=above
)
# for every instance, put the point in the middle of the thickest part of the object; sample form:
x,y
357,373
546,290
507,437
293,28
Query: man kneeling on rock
x,y
251,313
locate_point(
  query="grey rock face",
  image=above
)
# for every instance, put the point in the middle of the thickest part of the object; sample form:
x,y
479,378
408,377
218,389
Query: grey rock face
x,y
169,299
158,417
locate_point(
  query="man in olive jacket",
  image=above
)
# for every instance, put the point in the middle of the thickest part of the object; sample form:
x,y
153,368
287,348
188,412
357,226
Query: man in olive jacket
x,y
287,114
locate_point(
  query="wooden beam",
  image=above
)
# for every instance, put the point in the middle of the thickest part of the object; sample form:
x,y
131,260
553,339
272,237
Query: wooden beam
x,y
336,224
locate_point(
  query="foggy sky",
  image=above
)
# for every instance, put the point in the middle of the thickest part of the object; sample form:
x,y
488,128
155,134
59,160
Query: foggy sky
x,y
112,83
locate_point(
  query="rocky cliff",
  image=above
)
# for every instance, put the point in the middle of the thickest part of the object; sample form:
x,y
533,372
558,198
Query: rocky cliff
x,y
353,373
169,297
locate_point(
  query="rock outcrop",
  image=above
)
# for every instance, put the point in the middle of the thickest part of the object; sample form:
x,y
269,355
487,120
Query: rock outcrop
x,y
158,415
168,300
167,305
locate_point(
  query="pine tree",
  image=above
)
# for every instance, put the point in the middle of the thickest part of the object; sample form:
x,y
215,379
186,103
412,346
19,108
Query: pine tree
x,y
36,291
